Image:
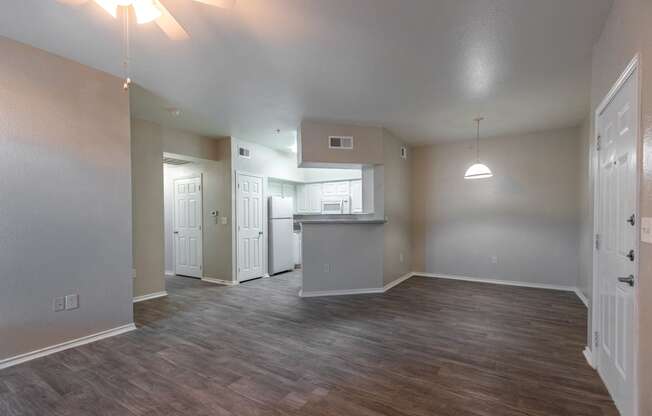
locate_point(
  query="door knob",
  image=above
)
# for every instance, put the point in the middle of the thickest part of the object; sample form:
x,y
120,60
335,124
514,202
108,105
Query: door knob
x,y
260,233
632,220
176,232
629,280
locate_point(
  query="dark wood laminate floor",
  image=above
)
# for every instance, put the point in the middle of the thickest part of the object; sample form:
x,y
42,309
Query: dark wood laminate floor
x,y
427,347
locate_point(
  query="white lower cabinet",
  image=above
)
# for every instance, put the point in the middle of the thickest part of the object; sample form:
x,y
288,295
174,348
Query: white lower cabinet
x,y
297,247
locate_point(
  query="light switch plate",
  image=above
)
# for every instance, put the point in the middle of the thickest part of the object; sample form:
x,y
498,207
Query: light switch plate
x,y
59,304
646,230
72,302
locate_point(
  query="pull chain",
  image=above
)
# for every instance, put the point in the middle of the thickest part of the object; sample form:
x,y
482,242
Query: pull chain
x,y
126,51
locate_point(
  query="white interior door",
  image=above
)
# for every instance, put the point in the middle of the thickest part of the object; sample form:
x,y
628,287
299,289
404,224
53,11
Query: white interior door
x,y
617,249
188,227
249,201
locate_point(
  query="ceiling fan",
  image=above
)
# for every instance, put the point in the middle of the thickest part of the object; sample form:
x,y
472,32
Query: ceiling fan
x,y
152,11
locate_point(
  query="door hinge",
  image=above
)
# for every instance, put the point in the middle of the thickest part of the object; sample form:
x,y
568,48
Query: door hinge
x,y
599,143
597,241
596,339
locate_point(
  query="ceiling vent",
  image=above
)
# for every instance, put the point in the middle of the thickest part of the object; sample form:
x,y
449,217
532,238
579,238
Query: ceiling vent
x,y
340,142
244,152
173,161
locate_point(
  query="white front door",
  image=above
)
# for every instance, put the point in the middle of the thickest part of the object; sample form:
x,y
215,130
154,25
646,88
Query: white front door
x,y
617,244
188,227
249,214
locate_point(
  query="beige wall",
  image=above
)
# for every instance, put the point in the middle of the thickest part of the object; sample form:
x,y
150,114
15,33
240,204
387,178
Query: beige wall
x,y
397,209
65,216
149,142
527,215
314,150
147,183
628,31
216,196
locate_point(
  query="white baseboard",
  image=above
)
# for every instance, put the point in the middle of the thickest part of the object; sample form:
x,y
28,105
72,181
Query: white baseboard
x,y
218,281
398,281
150,296
583,298
170,273
314,294
589,357
497,282
8,362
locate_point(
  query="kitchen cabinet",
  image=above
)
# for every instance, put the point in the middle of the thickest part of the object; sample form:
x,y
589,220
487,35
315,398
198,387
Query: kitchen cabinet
x,y
356,197
309,198
336,189
314,198
297,247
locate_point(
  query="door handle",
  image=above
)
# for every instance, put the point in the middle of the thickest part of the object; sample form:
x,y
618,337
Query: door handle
x,y
176,232
260,233
629,280
632,220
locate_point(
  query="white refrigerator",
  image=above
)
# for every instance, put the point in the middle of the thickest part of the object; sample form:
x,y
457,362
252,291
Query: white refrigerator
x,y
281,230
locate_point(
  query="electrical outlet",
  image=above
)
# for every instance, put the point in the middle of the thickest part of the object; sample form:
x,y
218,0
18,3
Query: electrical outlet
x,y
327,268
59,304
401,258
494,259
72,302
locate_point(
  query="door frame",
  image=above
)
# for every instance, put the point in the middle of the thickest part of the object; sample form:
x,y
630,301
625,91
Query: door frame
x,y
594,350
174,218
236,231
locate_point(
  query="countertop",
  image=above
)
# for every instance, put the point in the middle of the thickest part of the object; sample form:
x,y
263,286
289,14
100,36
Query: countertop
x,y
342,221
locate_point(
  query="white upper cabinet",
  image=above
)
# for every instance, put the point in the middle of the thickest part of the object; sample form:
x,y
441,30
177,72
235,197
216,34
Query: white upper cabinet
x,y
310,195
314,198
356,197
336,189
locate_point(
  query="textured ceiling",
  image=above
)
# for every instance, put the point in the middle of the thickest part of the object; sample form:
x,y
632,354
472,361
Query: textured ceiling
x,y
422,68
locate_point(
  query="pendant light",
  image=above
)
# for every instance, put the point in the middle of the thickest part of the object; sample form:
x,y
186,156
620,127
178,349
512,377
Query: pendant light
x,y
478,170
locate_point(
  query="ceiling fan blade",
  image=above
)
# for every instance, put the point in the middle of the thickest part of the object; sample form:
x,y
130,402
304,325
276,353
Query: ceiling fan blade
x,y
169,24
73,2
225,4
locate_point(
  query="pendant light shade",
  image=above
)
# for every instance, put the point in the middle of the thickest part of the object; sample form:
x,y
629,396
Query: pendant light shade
x,y
478,170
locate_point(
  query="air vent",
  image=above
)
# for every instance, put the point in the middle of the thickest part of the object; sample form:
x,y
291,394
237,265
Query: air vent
x,y
173,161
403,152
340,142
244,152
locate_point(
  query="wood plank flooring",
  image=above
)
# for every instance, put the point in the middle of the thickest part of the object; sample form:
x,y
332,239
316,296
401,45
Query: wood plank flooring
x,y
427,347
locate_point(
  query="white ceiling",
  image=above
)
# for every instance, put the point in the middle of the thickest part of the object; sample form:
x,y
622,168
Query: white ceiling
x,y
422,68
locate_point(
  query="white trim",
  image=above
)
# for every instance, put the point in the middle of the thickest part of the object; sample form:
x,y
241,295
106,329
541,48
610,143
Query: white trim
x,y
218,281
170,273
398,281
632,67
589,357
583,298
497,282
340,292
150,296
8,362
